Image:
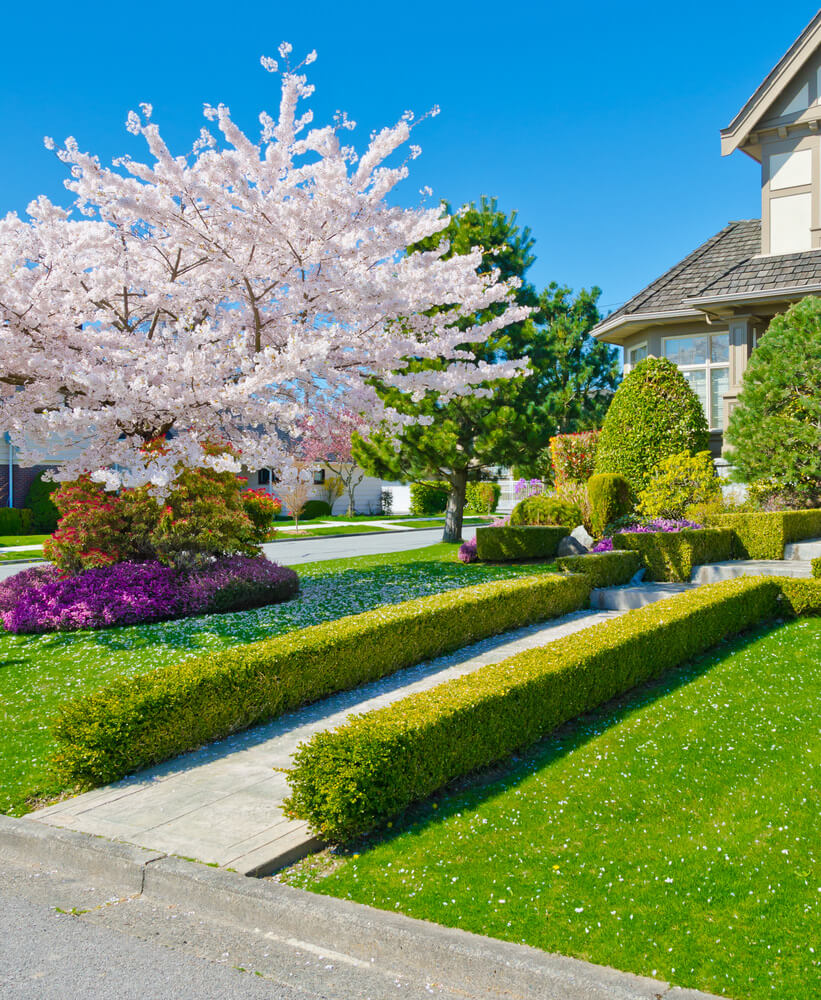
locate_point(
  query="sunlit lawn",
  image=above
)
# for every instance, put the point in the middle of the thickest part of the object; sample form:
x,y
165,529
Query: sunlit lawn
x,y
37,673
675,834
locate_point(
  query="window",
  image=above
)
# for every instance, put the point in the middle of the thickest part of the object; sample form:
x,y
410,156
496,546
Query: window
x,y
704,360
636,354
264,477
319,477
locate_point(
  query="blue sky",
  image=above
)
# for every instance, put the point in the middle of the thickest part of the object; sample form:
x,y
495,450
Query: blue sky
x,y
598,122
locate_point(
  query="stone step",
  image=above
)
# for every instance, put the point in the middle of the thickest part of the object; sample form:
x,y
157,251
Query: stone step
x,y
635,595
714,572
810,548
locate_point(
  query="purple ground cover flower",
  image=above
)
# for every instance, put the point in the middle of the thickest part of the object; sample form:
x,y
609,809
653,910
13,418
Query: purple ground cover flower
x,y
648,527
128,593
467,551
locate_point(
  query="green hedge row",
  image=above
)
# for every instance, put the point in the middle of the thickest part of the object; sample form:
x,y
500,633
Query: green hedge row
x,y
671,555
764,535
346,781
799,597
144,720
506,544
15,521
605,569
815,565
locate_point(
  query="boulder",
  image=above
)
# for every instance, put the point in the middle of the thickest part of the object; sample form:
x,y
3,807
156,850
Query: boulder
x,y
583,537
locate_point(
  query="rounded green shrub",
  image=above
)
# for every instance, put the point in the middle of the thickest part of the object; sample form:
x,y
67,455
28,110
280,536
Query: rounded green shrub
x,y
654,413
545,510
44,514
314,509
608,499
677,483
428,498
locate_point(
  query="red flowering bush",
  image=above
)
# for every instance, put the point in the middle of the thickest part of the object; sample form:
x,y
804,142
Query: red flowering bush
x,y
573,457
261,509
203,516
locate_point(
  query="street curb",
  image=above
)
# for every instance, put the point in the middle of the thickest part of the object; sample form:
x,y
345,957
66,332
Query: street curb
x,y
349,932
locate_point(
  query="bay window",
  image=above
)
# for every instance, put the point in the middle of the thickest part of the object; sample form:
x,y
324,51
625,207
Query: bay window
x,y
704,360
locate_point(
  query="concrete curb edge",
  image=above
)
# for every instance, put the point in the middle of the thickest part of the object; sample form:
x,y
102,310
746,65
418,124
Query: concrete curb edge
x,y
351,931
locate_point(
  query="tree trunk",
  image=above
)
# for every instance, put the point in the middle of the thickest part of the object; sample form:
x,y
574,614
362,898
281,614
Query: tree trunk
x,y
456,506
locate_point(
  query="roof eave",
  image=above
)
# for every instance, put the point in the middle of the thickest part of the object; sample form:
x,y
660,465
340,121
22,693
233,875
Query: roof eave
x,y
793,59
615,330
787,292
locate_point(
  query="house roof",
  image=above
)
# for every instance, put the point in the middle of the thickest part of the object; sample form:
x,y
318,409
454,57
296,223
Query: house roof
x,y
727,267
772,86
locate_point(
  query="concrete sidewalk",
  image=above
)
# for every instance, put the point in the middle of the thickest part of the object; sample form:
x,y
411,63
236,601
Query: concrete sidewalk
x,y
222,804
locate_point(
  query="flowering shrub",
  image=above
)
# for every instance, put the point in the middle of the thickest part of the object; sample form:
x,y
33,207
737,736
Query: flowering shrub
x,y
203,516
261,508
573,457
128,593
529,488
467,551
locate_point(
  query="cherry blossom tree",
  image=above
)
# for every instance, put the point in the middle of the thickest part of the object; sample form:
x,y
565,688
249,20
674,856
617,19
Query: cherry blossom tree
x,y
209,297
327,438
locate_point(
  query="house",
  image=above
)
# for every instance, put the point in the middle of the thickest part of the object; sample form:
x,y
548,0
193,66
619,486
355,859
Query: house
x,y
367,494
707,312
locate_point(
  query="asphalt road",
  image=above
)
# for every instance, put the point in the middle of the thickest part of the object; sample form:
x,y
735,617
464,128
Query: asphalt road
x,y
322,547
105,948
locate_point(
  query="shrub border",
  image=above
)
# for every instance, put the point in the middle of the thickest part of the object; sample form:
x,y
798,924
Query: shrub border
x,y
347,781
523,542
143,720
671,555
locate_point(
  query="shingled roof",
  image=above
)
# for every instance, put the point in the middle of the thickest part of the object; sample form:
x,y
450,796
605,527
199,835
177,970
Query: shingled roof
x,y
764,274
735,244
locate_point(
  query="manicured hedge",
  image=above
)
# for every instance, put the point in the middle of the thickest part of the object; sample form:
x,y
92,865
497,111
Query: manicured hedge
x,y
143,720
506,544
815,564
609,497
14,521
605,569
764,535
800,597
545,510
348,780
671,555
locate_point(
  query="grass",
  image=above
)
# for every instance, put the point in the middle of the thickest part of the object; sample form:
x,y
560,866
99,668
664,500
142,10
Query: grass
x,y
39,672
22,540
673,833
18,556
438,522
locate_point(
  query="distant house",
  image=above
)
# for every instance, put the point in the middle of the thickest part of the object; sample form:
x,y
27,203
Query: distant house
x,y
368,493
707,312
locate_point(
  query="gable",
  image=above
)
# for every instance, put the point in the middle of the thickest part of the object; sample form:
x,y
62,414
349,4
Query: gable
x,y
789,95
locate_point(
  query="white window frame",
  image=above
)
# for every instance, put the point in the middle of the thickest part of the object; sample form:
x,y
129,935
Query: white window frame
x,y
708,367
628,365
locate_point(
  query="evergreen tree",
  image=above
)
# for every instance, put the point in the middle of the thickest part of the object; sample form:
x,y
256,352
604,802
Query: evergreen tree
x,y
567,387
775,430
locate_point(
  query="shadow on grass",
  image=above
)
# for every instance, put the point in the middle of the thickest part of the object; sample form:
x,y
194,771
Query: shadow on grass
x,y
482,786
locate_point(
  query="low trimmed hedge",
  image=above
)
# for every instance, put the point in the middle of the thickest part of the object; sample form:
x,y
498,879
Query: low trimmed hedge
x,y
605,569
800,597
346,781
506,544
140,721
763,535
815,565
671,555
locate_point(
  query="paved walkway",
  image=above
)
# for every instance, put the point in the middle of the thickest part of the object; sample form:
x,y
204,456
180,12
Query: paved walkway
x,y
221,804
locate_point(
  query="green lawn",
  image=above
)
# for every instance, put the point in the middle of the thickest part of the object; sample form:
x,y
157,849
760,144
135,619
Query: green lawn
x,y
17,556
350,529
439,522
22,540
672,834
37,673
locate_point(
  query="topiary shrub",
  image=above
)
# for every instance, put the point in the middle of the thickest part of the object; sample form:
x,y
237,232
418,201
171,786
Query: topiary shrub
x,y
44,513
314,509
774,432
481,498
654,413
677,483
428,498
545,510
608,499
